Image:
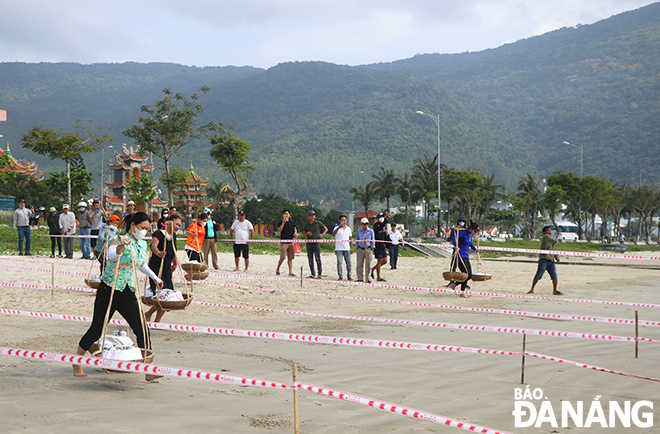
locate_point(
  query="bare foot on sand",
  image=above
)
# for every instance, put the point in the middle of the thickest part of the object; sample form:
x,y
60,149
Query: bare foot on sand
x,y
78,371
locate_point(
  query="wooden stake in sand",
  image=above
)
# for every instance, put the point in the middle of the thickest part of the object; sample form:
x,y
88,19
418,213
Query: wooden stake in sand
x,y
295,399
522,368
38,235
636,334
301,276
52,280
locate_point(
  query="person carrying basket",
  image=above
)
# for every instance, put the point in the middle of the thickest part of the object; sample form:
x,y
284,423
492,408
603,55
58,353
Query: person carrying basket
x,y
116,292
462,241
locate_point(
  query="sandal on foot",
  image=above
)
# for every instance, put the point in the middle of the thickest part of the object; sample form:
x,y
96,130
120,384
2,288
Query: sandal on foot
x,y
530,292
558,293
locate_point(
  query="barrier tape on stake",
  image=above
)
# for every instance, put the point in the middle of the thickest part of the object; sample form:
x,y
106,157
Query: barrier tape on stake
x,y
587,366
295,337
377,285
399,409
321,339
452,307
472,327
141,368
214,377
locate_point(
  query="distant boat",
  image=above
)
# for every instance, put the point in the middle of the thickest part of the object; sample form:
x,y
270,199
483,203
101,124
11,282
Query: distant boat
x,y
618,249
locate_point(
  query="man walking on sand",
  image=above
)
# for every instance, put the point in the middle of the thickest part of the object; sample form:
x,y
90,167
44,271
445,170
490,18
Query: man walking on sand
x,y
244,231
547,262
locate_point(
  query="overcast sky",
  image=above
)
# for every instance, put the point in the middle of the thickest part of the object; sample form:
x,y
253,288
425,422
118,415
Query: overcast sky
x,y
264,33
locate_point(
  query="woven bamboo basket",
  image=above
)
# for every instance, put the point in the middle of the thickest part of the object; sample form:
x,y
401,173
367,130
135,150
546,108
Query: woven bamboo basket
x,y
194,267
168,305
92,283
481,277
197,276
454,276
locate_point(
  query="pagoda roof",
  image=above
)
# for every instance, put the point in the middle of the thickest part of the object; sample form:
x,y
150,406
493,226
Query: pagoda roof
x,y
21,166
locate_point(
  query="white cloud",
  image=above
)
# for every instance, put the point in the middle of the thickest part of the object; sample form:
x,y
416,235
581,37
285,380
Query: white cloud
x,y
263,33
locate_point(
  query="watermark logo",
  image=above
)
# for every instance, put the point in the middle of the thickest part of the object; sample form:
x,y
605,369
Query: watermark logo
x,y
532,408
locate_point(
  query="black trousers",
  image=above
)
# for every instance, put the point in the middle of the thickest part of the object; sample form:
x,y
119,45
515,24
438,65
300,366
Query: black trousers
x,y
93,240
314,252
464,266
123,302
154,264
194,256
57,240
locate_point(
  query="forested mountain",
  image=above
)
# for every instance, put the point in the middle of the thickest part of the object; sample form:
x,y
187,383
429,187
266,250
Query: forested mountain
x,y
314,126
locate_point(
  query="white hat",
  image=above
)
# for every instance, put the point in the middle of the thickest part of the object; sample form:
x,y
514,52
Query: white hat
x,y
82,204
130,202
66,206
365,220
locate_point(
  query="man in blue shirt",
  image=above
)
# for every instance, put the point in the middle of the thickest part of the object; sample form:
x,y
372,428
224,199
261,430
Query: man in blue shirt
x,y
364,249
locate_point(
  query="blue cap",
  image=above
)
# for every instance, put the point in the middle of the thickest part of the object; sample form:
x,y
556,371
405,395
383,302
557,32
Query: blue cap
x,y
461,218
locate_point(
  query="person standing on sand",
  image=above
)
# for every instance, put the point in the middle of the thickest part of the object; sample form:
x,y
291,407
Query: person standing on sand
x,y
547,262
288,232
244,232
314,230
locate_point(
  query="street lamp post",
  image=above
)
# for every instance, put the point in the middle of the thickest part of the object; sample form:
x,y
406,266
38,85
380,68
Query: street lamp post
x,y
436,119
580,218
353,200
102,164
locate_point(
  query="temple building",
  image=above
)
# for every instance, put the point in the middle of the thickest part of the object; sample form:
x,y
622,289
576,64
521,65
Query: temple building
x,y
192,196
20,166
128,164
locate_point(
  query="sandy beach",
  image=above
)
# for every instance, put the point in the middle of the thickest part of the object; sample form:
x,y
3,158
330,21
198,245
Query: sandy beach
x,y
38,397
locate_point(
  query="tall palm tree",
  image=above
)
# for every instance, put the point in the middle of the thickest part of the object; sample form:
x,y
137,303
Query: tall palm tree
x,y
490,193
385,185
530,199
404,190
364,195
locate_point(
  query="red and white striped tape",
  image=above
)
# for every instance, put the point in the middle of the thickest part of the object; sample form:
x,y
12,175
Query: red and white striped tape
x,y
461,308
587,366
450,307
141,368
399,409
175,372
471,327
67,236
295,337
376,285
321,339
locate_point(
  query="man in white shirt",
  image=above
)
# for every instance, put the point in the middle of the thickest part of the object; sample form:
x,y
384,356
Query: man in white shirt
x,y
68,228
396,238
343,247
244,231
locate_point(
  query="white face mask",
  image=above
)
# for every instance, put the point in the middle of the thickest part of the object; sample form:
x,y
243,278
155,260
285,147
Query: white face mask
x,y
111,229
382,219
462,224
82,209
139,234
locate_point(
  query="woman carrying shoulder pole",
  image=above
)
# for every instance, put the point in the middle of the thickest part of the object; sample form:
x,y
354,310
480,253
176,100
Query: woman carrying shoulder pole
x,y
124,255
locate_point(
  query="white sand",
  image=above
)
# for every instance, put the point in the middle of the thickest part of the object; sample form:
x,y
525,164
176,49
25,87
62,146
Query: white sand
x,y
478,388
